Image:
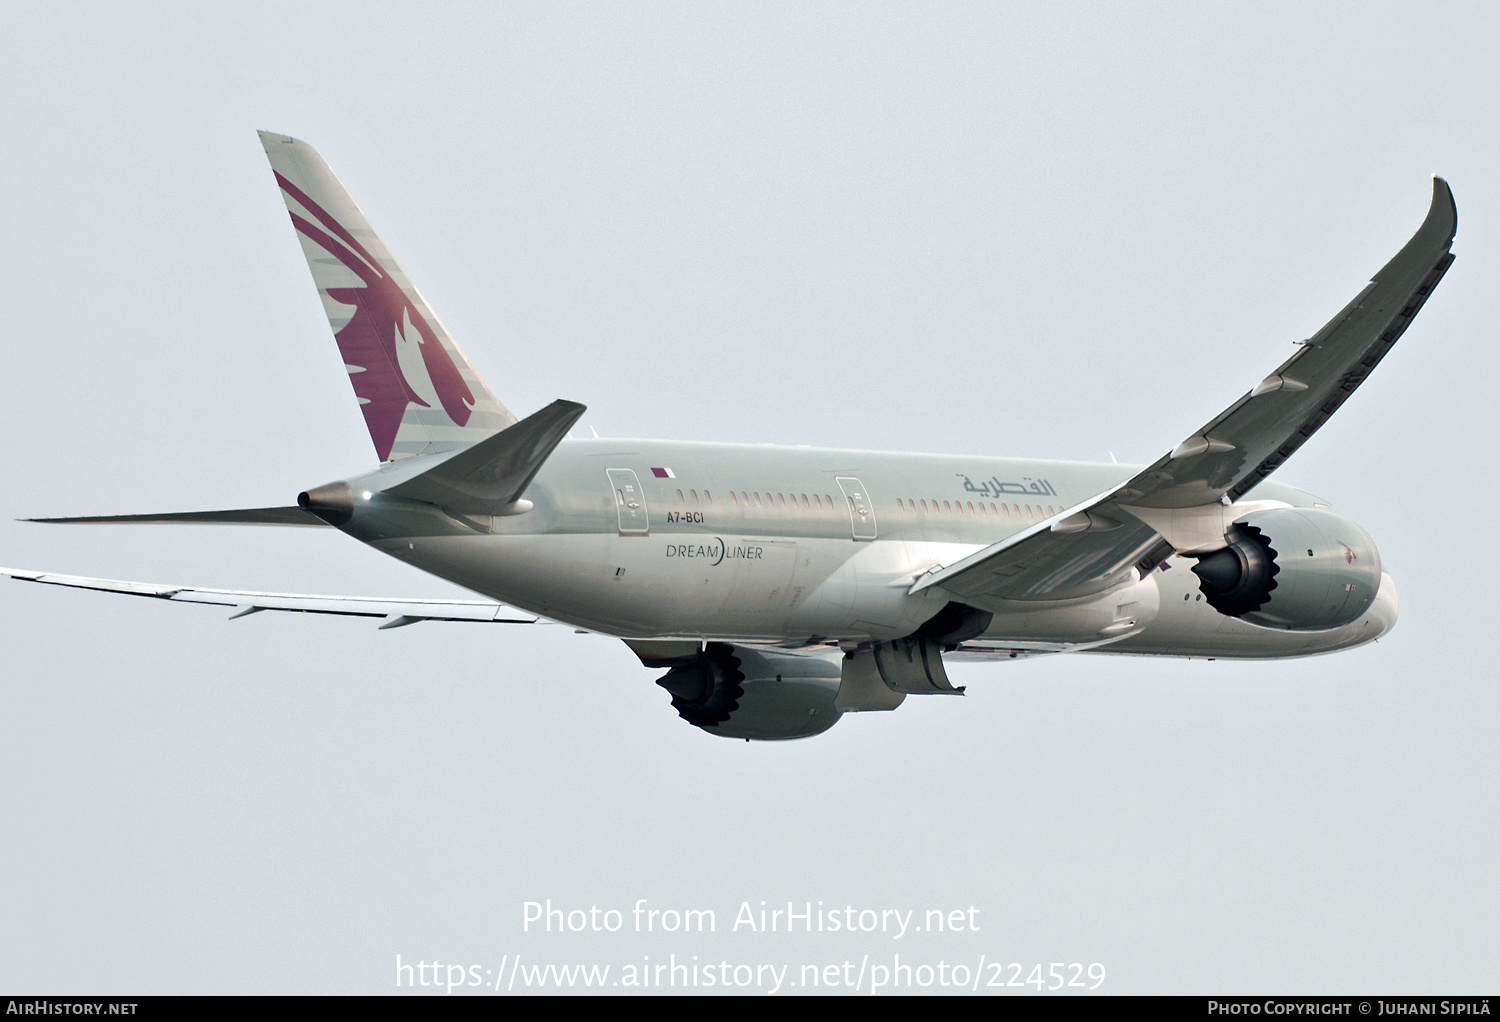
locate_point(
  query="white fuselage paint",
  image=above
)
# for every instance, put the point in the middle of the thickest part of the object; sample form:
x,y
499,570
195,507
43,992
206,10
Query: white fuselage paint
x,y
777,562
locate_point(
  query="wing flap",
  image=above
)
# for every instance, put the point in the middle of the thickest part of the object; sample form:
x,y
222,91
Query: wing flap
x,y
1077,552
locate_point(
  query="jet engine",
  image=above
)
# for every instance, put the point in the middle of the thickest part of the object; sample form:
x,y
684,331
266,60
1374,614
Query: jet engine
x,y
745,693
1294,568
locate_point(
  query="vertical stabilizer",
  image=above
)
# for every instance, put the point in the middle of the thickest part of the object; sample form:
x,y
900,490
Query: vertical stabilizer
x,y
418,393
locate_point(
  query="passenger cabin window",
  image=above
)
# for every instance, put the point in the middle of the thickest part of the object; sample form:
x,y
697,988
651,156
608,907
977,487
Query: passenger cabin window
x,y
680,498
694,494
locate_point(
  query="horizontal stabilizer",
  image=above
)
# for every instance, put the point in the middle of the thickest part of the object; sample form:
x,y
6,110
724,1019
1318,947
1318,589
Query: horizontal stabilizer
x,y
244,516
494,473
395,612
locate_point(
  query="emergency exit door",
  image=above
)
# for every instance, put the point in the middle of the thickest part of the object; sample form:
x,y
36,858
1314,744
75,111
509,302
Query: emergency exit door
x,y
861,508
630,502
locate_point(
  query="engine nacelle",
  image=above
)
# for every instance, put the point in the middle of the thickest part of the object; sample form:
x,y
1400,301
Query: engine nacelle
x,y
1299,569
737,692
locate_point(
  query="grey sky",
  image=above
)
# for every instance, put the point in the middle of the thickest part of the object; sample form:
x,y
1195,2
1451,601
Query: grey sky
x,y
1005,229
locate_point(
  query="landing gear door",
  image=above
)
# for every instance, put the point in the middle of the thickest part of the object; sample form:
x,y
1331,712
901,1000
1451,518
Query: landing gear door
x,y
861,508
630,502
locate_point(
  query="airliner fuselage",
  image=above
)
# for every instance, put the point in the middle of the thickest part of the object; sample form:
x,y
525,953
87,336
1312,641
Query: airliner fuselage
x,y
766,545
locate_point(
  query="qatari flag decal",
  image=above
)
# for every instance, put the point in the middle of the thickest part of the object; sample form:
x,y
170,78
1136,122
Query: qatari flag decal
x,y
663,473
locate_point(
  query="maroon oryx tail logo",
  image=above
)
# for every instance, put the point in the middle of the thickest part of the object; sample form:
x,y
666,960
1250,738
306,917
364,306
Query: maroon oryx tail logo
x,y
382,311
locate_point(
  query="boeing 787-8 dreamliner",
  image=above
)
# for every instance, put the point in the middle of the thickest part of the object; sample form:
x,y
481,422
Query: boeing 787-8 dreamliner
x,y
780,588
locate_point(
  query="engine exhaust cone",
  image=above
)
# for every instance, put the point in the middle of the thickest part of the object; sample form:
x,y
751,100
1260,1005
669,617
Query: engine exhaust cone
x,y
1221,570
706,690
688,683
1238,579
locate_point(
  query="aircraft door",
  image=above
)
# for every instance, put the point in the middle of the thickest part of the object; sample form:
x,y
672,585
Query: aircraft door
x,y
861,508
630,502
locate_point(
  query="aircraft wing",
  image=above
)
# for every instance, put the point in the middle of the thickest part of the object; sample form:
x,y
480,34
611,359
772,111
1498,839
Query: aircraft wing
x,y
1091,547
395,613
